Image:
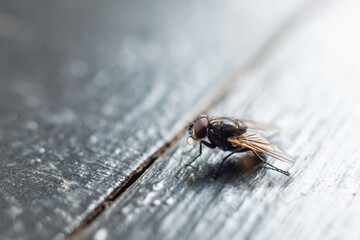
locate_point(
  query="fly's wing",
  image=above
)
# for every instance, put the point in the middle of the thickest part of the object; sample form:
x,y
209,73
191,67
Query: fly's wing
x,y
264,128
256,141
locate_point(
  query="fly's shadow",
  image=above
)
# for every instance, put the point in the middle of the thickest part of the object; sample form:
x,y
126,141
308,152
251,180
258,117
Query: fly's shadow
x,y
242,170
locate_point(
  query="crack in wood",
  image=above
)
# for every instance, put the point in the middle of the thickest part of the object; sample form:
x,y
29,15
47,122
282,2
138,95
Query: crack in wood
x,y
226,89
128,182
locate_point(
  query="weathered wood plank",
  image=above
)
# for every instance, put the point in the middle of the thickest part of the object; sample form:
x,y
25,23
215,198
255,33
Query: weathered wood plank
x,y
309,86
89,90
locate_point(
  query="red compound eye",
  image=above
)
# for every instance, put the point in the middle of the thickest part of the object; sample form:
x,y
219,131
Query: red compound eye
x,y
201,126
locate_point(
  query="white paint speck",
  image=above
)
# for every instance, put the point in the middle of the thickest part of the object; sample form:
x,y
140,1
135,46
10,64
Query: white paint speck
x,y
35,160
149,198
158,186
170,201
93,139
16,211
32,125
101,234
68,184
41,150
157,202
117,151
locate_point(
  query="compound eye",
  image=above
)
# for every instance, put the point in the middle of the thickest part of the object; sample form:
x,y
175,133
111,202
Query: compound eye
x,y
200,127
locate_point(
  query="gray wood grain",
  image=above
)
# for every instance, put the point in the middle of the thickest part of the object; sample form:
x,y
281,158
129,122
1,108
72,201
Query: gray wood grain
x,y
89,90
309,86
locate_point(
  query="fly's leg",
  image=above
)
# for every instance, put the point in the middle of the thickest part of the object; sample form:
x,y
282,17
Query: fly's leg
x,y
209,145
271,167
218,168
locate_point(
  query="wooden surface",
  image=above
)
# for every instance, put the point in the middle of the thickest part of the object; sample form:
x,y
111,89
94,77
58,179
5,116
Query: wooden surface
x,y
89,91
308,85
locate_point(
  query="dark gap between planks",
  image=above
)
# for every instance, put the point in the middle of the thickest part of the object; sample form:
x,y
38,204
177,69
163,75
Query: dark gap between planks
x,y
226,89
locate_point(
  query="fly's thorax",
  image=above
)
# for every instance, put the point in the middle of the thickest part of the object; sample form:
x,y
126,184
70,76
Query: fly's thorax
x,y
225,130
219,133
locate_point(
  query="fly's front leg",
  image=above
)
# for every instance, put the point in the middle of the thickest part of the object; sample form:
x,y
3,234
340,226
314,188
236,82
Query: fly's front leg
x,y
209,145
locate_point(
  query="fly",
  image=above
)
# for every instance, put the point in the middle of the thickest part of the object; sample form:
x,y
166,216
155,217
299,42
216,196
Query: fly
x,y
236,136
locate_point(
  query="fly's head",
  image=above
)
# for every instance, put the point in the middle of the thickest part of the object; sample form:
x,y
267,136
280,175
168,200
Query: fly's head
x,y
198,129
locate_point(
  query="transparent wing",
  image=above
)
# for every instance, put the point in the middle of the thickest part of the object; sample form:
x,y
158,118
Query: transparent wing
x,y
256,141
264,128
